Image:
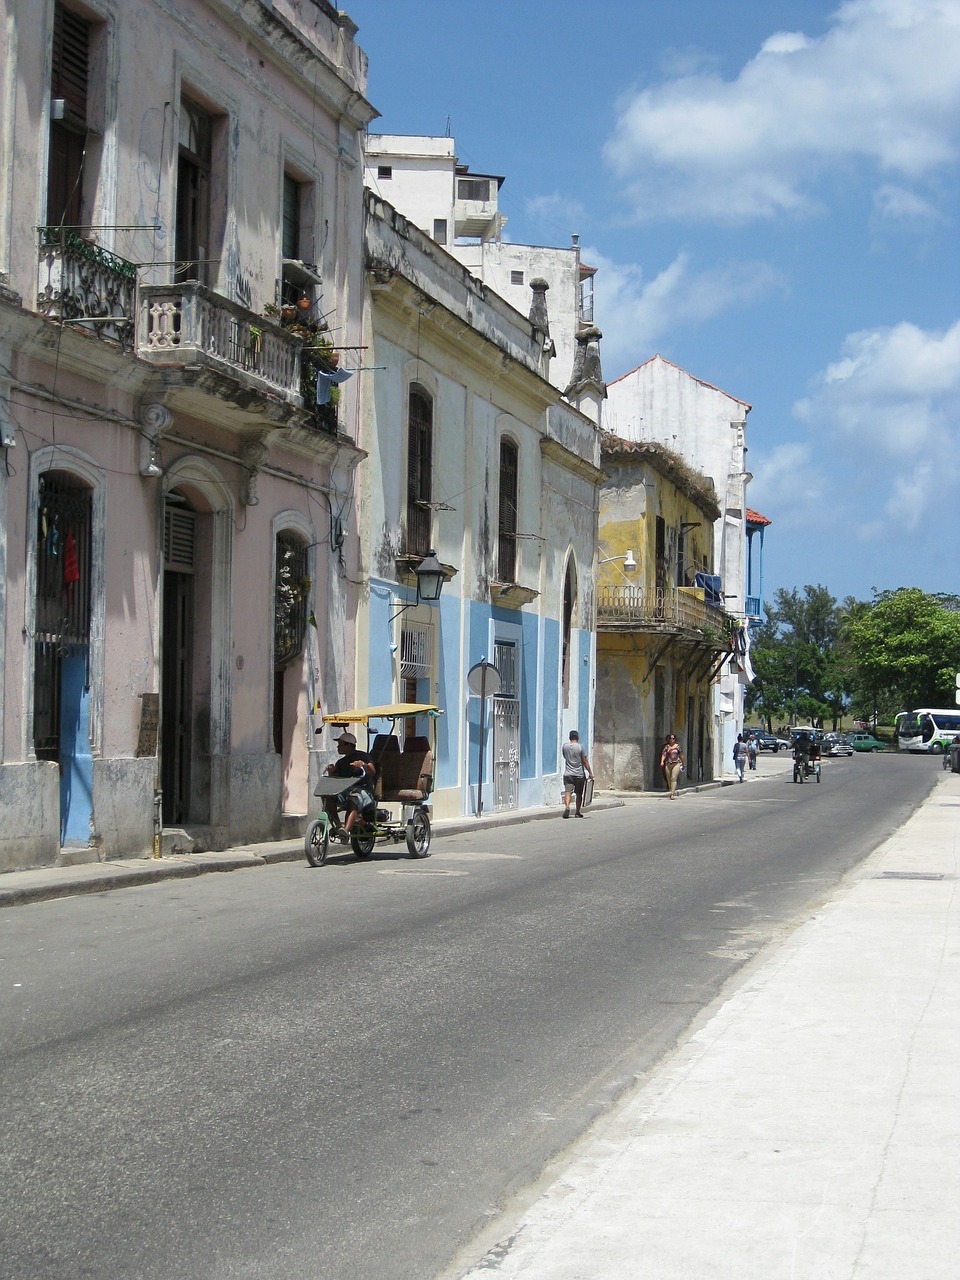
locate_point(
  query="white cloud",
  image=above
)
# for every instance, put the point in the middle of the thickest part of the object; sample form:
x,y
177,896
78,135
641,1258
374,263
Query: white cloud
x,y
894,390
788,482
638,313
881,87
895,203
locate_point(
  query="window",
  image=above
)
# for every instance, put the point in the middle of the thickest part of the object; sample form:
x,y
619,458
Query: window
x,y
440,230
516,277
569,601
586,299
419,471
385,171
62,619
68,127
193,193
507,522
473,189
290,606
290,218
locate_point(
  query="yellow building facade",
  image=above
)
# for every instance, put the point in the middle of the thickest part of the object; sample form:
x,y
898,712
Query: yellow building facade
x,y
662,632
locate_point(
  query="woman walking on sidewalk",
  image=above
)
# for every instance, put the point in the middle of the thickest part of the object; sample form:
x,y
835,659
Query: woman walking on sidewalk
x,y
672,763
739,755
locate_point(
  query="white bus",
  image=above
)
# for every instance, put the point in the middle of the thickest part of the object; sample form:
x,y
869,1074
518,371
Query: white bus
x,y
927,728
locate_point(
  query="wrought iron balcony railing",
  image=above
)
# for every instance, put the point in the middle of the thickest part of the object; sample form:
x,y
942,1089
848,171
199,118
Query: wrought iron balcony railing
x,y
87,287
190,324
663,608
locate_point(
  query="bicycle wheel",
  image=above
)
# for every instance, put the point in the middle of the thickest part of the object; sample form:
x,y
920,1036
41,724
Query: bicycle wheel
x,y
418,835
316,842
362,846
798,772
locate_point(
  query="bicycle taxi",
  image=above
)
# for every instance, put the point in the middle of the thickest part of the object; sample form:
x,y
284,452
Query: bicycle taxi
x,y
806,742
399,801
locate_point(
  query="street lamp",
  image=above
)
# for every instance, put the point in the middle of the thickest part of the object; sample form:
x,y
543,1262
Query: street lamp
x,y
430,579
627,561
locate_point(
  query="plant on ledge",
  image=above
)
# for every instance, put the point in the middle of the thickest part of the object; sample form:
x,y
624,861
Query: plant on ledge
x,y
316,355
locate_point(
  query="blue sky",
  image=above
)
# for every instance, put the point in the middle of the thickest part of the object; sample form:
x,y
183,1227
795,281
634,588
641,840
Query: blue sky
x,y
769,189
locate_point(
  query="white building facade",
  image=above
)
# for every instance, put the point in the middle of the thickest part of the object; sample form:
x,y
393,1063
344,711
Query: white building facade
x,y
660,402
474,453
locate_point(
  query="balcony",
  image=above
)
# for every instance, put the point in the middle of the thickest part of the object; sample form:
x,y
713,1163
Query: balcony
x,y
86,287
677,609
753,608
191,327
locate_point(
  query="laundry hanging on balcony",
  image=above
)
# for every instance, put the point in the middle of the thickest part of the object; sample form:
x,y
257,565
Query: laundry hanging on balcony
x,y
327,380
710,584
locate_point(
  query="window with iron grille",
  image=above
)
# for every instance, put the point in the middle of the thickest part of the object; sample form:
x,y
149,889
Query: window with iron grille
x,y
419,471
292,591
62,615
505,654
507,526
416,647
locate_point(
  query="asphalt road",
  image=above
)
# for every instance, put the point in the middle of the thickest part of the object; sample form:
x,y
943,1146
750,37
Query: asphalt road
x,y
346,1073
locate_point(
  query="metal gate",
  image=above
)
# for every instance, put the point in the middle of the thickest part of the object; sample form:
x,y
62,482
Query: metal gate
x,y
61,688
506,730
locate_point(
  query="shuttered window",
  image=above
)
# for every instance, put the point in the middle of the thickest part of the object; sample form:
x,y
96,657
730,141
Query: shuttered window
x,y
179,540
507,527
71,61
69,73
419,471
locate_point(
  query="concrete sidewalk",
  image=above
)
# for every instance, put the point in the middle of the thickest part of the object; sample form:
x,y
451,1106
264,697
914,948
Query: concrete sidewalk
x,y
809,1128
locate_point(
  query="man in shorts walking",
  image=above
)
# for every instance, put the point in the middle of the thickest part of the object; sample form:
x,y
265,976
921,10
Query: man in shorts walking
x,y
576,770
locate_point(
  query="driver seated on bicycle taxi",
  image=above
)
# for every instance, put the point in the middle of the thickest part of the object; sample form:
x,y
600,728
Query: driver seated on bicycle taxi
x,y
807,748
350,763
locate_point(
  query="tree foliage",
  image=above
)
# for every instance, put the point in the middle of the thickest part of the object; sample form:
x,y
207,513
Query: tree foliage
x,y
815,660
906,647
798,659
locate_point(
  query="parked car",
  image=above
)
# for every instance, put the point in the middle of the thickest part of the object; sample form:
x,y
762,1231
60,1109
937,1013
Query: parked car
x,y
768,741
837,744
866,742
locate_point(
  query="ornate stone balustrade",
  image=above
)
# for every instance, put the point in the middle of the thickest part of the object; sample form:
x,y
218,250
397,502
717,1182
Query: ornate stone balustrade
x,y
190,324
87,287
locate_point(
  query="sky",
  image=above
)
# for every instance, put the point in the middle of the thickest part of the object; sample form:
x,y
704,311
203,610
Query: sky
x,y
770,191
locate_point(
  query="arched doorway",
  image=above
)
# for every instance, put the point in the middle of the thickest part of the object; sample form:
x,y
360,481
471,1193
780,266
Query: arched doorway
x,y
194,646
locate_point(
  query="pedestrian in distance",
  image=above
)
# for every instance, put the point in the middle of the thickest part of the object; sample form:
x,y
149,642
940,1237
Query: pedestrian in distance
x,y
672,763
576,770
752,750
739,755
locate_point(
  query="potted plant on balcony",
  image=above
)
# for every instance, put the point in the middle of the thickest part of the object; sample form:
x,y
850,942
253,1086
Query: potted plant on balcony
x,y
317,355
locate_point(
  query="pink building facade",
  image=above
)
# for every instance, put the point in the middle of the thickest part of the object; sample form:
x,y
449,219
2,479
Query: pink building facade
x,y
181,278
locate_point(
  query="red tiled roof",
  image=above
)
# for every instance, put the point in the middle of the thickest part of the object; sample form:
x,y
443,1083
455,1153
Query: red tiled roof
x,y
754,517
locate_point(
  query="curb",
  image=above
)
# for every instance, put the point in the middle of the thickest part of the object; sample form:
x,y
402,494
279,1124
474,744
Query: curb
x,y
45,884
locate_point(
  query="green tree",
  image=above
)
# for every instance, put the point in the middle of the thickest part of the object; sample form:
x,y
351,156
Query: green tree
x,y
906,646
800,659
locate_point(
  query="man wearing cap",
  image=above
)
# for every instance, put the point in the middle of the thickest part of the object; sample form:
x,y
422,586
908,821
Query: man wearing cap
x,y
350,763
